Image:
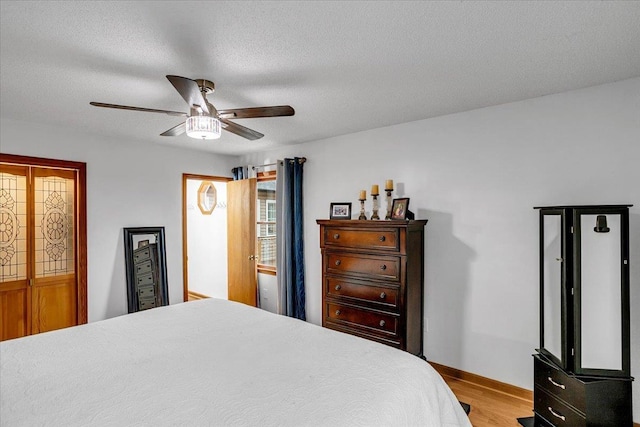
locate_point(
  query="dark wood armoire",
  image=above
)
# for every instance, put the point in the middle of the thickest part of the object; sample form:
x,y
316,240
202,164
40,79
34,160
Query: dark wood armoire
x,y
582,368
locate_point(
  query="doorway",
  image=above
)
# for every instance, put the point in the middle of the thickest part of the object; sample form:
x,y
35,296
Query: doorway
x,y
204,223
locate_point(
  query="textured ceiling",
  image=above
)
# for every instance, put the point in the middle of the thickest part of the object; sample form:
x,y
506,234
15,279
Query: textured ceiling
x,y
343,66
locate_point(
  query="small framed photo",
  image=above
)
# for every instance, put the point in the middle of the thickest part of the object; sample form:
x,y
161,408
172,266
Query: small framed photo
x,y
340,210
400,208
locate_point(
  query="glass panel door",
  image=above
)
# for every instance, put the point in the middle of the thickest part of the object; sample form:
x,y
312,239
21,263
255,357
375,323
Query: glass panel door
x,y
13,224
551,290
54,201
600,273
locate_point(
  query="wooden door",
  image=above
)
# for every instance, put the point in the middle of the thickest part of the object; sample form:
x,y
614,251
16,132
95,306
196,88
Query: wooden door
x,y
241,238
42,257
15,244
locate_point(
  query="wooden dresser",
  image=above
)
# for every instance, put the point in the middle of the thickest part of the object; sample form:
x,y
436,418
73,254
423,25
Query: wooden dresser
x,y
373,275
146,277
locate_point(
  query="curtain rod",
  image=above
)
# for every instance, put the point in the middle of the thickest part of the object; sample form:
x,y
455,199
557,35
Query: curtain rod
x,y
300,160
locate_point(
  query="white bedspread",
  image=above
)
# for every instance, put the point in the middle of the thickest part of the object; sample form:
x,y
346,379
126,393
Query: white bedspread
x,y
214,362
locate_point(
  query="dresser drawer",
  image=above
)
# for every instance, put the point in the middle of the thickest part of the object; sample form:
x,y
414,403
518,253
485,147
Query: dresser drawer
x,y
144,279
146,303
362,318
369,266
141,254
559,384
362,291
556,411
381,239
144,267
146,292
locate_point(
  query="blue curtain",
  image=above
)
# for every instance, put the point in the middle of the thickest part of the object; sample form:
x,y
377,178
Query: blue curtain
x,y
241,172
290,238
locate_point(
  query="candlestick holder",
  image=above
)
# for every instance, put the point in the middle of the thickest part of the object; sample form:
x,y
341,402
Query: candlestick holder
x,y
389,201
375,207
362,215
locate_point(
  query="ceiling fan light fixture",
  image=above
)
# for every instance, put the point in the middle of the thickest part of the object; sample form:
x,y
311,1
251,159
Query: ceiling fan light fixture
x,y
203,127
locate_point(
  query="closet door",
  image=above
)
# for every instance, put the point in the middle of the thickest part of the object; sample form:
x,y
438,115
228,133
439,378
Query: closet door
x,y
15,293
53,299
38,250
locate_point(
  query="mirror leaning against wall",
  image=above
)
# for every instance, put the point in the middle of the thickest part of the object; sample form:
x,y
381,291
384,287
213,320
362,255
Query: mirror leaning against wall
x,y
146,268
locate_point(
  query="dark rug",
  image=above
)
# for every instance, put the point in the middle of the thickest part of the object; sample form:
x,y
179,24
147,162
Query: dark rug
x,y
466,407
526,422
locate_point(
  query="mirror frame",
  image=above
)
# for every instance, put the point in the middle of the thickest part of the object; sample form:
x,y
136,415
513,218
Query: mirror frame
x,y
132,296
203,194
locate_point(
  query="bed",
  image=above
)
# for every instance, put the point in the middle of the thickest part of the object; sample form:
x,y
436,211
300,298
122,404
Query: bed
x,y
215,362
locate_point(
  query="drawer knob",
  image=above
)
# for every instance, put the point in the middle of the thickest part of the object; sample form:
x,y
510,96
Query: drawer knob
x,y
562,386
338,312
383,267
555,414
338,262
338,287
336,236
382,323
382,238
383,295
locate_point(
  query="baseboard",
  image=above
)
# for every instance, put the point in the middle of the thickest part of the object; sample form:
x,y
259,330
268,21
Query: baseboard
x,y
521,393
196,296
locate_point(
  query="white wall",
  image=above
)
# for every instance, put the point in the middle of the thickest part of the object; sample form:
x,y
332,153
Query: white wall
x,y
129,184
207,242
476,177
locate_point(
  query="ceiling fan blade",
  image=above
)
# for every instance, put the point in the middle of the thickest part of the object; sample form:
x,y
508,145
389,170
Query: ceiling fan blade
x,y
240,130
147,110
190,91
175,131
248,113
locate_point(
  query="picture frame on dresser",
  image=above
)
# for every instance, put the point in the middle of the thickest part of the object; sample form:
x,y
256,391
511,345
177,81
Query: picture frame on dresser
x,y
400,208
340,210
145,267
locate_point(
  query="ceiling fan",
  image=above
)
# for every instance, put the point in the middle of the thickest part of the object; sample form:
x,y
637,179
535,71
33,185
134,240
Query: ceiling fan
x,y
203,120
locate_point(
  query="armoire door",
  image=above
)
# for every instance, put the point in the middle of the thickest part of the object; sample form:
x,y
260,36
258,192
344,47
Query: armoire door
x,y
241,237
42,287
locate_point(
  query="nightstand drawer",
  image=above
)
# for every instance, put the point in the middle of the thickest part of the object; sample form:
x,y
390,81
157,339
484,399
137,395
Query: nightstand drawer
x,y
370,266
386,297
556,411
558,383
382,239
361,318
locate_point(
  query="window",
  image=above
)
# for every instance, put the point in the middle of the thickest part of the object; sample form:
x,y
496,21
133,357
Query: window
x,y
271,217
266,222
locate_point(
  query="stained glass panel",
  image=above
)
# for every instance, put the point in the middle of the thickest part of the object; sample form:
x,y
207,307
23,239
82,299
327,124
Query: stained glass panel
x,y
13,227
54,221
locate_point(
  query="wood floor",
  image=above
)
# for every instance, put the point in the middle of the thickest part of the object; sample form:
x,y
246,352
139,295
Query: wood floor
x,y
493,404
490,408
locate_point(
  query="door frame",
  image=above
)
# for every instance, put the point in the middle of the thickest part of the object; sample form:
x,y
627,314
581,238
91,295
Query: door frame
x,y
185,265
81,219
